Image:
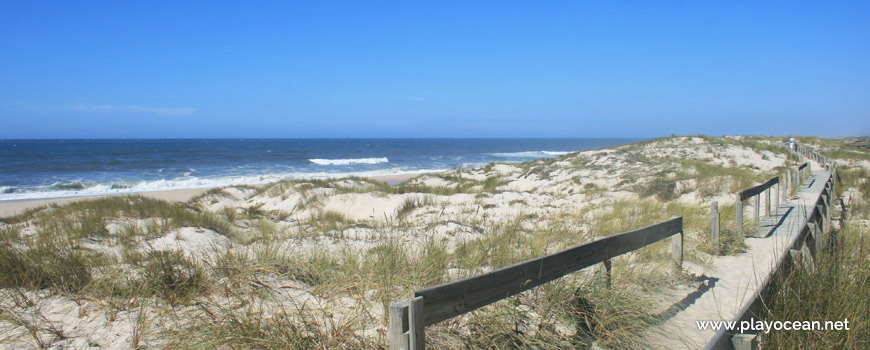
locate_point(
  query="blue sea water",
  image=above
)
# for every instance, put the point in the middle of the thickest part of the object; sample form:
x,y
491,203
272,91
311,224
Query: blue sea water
x,y
62,168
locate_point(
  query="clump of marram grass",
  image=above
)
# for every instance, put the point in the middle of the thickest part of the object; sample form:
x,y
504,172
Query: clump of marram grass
x,y
172,276
835,291
47,260
491,184
328,220
259,326
661,187
212,193
411,203
57,267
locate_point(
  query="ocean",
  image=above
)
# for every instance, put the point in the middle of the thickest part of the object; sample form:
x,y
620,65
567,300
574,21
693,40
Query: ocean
x,y
34,169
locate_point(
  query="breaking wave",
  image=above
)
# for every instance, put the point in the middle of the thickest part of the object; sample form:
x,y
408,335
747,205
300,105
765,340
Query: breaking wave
x,y
530,154
349,161
78,189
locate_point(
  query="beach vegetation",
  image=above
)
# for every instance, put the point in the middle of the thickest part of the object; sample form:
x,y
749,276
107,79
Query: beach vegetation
x,y
492,183
46,262
661,187
413,202
328,220
835,290
172,276
211,193
517,202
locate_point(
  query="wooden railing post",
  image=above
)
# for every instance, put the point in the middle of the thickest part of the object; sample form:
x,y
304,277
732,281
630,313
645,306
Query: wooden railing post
x,y
398,331
677,250
744,341
738,218
757,209
604,271
829,199
416,328
797,179
407,331
778,190
800,177
714,227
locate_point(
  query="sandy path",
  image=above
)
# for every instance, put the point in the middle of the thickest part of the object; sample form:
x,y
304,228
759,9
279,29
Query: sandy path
x,y
733,280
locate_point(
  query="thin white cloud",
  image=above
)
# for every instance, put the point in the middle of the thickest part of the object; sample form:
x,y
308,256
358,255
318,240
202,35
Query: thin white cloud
x,y
414,98
154,110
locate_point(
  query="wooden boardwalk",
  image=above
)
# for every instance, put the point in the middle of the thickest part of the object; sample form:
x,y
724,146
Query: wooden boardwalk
x,y
733,281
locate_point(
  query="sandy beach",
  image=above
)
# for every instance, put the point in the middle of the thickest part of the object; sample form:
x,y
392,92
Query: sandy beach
x,y
10,208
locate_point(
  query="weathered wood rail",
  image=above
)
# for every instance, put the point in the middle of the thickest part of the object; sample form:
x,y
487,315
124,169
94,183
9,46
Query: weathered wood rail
x,y
784,183
792,178
756,191
429,306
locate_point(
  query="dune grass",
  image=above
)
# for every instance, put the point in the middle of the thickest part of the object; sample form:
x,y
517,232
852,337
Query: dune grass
x,y
835,291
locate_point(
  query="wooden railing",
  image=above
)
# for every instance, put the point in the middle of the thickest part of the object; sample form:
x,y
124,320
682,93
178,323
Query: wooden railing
x,y
784,183
766,188
814,233
792,178
429,306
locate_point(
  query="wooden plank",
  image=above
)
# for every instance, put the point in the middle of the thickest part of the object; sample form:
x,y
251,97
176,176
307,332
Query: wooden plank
x,y
739,215
714,226
821,221
744,341
757,209
398,326
416,328
776,203
602,273
458,297
749,192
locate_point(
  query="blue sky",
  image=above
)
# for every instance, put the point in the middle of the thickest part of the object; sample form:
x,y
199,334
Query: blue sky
x,y
146,69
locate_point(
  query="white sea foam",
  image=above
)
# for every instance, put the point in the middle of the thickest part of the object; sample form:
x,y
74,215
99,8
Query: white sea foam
x,y
530,154
186,183
350,161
